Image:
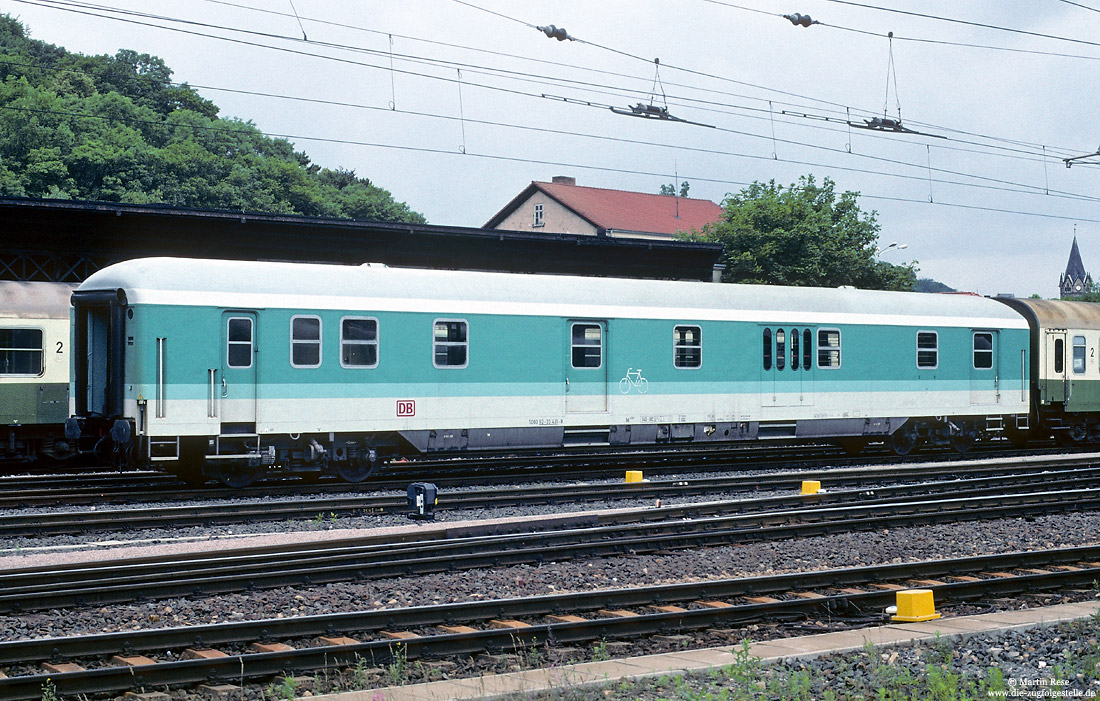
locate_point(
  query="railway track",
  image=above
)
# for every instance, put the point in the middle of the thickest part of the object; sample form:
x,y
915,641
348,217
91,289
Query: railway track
x,y
585,535
257,649
1013,474
49,490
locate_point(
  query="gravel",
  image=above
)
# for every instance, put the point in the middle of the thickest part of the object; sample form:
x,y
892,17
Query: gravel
x,y
841,550
757,559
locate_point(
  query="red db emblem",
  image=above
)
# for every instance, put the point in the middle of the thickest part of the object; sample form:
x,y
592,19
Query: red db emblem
x,y
406,407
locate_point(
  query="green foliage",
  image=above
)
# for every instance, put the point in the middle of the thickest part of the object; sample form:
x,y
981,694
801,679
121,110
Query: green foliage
x,y
670,189
600,653
116,129
286,689
49,691
397,671
802,235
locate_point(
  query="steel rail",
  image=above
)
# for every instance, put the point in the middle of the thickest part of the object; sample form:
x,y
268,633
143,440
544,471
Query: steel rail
x,y
52,523
113,679
20,493
607,534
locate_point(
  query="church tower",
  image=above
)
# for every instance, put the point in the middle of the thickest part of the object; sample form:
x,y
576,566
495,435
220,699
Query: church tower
x,y
1075,281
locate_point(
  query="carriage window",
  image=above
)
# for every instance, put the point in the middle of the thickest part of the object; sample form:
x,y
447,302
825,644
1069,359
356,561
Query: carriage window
x,y
1078,355
238,342
20,351
767,349
780,349
794,349
828,348
450,343
807,349
587,345
1059,355
305,341
358,342
687,345
928,349
983,351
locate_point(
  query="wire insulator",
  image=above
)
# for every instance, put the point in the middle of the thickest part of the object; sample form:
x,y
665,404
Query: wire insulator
x,y
553,32
800,20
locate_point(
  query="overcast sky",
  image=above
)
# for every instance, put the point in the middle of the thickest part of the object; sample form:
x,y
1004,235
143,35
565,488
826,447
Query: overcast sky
x,y
471,111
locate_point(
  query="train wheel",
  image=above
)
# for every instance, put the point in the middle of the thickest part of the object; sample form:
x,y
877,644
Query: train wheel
x,y
355,471
1075,435
904,441
237,474
963,441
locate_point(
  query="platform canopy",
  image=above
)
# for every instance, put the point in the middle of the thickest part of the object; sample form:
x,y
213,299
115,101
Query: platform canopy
x,y
66,241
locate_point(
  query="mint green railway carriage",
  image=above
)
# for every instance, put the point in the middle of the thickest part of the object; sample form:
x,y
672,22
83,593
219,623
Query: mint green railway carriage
x,y
34,369
1064,367
228,369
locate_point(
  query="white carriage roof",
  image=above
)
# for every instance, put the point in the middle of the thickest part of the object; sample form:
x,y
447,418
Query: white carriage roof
x,y
241,284
35,300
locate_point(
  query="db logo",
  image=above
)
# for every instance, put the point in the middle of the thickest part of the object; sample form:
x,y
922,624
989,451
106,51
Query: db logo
x,y
406,407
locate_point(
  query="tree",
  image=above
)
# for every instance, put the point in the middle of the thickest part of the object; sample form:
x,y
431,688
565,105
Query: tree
x,y
670,189
116,129
802,235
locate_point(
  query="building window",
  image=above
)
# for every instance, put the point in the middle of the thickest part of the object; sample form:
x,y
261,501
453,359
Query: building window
x,y
828,348
1078,355
928,349
767,349
983,350
21,351
238,342
538,216
305,341
450,342
687,345
587,345
358,342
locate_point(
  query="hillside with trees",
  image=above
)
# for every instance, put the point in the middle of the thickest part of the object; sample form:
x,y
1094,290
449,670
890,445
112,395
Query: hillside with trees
x,y
117,129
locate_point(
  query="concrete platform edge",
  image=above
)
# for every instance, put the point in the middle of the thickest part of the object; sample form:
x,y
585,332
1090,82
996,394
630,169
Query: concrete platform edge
x,y
588,674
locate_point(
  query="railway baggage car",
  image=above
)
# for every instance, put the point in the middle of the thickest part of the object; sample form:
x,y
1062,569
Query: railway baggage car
x,y
229,369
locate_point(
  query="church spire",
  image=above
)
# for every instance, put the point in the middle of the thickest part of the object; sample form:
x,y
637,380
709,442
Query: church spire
x,y
1075,280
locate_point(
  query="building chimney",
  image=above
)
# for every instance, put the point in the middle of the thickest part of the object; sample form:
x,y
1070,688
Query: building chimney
x,y
564,180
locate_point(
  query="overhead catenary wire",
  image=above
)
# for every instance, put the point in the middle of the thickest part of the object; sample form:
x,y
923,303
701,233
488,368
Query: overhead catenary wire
x,y
985,182
1021,189
69,5
969,23
591,136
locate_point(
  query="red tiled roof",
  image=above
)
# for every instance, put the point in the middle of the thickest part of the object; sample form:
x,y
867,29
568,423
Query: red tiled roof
x,y
625,211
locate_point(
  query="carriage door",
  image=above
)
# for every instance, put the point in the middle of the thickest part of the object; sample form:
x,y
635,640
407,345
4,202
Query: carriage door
x,y
985,375
586,366
802,360
1054,378
780,367
235,390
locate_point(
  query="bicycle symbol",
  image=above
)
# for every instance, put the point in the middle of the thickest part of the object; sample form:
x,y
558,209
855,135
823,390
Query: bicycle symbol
x,y
633,380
